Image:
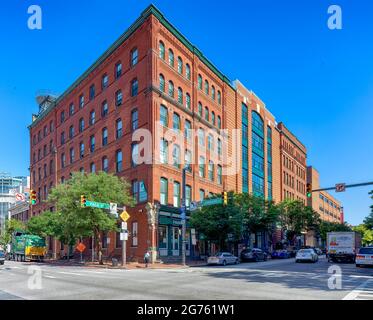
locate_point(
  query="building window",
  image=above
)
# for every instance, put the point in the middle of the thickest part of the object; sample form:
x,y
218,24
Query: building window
x,y
180,65
188,160
135,154
62,118
45,150
176,198
118,160
105,164
119,128
134,120
207,114
104,109
162,50
199,82
134,234
213,118
211,171
188,195
201,137
219,97
81,101
92,142
213,92
45,170
187,71
81,150
187,130
51,126
219,122
201,167
118,70
81,125
200,109
176,156
164,191
176,122
92,118
63,161
71,132
118,98
207,88
104,137
187,99
257,121
180,95
171,58
220,175
171,89
104,82
134,87
92,92
162,85
135,190
71,109
72,155
134,57
164,151
164,116
62,139
201,194
210,142
92,167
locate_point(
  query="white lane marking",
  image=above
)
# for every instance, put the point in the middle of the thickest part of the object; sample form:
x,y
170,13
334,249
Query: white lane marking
x,y
51,277
354,294
71,273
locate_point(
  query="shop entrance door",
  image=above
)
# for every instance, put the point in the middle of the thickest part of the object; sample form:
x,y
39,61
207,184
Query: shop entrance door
x,y
175,241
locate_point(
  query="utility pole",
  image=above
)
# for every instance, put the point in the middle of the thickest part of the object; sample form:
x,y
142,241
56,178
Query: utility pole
x,y
124,243
183,219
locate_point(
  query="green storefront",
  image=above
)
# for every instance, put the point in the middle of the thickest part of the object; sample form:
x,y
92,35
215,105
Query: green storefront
x,y
169,233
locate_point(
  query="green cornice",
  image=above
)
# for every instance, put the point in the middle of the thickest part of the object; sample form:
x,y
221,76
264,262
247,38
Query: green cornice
x,y
150,10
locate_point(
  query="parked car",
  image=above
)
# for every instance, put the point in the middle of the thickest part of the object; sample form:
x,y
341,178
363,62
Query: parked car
x,y
2,257
281,254
364,257
306,255
254,254
319,251
223,258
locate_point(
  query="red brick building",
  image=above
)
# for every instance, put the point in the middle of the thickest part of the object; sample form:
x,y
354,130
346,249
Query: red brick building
x,y
153,78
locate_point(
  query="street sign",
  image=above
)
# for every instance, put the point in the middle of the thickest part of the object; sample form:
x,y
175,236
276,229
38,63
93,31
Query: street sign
x,y
80,247
124,225
124,236
114,209
183,212
20,197
98,205
211,202
340,187
125,216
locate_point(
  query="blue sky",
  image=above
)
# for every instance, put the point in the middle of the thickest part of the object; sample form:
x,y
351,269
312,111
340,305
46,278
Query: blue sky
x,y
318,81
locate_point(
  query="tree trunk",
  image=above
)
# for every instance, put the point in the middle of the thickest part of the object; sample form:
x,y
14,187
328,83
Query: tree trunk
x,y
99,248
68,251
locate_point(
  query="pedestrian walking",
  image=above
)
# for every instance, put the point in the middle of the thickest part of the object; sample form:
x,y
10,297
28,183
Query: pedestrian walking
x,y
146,258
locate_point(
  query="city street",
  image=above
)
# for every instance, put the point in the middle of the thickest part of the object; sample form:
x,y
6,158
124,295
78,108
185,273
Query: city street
x,y
276,279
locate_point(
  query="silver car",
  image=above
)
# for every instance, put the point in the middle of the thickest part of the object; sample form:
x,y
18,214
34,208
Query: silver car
x,y
223,258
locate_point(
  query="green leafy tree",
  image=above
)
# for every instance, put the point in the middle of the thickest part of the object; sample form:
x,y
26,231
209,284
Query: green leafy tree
x,y
369,219
326,226
217,222
81,222
366,234
297,218
10,226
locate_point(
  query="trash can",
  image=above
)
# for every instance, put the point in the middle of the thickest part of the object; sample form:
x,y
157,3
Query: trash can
x,y
114,262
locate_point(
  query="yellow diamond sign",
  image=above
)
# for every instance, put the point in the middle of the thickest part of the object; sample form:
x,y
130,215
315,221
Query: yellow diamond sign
x,y
125,216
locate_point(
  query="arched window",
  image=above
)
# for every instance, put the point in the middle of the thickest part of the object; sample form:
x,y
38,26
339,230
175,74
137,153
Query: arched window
x,y
134,57
134,87
213,92
199,82
118,161
92,117
164,116
171,89
161,83
81,150
92,167
219,122
71,132
207,114
171,58
164,191
219,97
187,71
213,117
162,50
180,95
105,164
257,121
176,156
118,98
119,128
118,70
207,88
180,65
187,99
104,136
200,109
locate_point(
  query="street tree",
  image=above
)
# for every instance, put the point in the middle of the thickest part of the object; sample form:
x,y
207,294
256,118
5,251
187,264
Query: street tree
x,y
366,234
296,218
216,222
84,222
369,219
9,228
327,226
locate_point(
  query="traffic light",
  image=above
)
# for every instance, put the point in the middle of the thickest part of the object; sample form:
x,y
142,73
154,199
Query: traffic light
x,y
83,201
225,198
309,190
33,197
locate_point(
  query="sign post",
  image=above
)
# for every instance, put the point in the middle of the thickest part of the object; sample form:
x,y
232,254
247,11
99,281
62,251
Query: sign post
x,y
124,235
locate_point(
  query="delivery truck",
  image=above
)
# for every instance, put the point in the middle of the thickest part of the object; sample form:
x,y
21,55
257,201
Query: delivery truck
x,y
342,246
27,247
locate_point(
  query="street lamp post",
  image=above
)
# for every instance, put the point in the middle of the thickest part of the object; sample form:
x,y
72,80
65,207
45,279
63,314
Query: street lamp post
x,y
183,218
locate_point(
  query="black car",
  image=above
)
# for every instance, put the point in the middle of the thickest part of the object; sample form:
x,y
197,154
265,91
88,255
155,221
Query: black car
x,y
254,254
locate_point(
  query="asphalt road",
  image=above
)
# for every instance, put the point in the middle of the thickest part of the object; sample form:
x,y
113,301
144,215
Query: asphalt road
x,y
276,279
